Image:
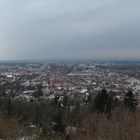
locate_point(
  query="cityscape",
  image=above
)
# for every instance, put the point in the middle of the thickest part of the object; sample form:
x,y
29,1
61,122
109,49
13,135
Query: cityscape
x,y
32,81
52,98
69,70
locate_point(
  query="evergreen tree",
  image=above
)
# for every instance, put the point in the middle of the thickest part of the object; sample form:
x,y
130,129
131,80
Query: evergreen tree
x,y
103,102
130,100
100,101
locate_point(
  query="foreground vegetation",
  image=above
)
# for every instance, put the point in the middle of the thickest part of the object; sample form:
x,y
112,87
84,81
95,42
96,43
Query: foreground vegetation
x,y
122,126
101,118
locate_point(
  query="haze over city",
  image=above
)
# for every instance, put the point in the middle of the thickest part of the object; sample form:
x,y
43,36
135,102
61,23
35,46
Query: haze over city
x,y
74,29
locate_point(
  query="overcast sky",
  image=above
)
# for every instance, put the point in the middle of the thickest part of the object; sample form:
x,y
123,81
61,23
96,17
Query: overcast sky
x,y
69,29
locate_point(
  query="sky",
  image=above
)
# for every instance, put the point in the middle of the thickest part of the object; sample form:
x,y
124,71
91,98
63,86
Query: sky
x,y
69,29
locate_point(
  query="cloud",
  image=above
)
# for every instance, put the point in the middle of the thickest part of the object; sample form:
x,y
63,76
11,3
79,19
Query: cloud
x,y
43,29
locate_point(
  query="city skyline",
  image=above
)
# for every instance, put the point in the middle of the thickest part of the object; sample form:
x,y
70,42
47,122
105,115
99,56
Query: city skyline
x,y
76,29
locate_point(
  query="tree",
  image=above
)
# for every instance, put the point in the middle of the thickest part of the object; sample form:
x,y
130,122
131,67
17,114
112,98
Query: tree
x,y
130,101
103,102
100,101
